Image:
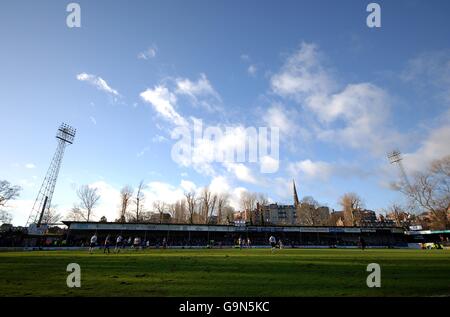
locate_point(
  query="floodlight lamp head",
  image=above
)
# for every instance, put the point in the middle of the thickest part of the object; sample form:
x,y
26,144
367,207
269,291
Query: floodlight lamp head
x,y
394,156
66,133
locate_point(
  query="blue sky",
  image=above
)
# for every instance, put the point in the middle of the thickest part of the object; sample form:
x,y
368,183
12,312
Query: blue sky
x,y
341,93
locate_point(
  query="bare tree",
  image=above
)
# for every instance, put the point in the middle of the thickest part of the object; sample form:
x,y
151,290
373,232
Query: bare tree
x,y
139,201
160,207
222,203
311,213
88,200
7,192
126,193
398,214
208,203
248,204
306,211
430,191
191,203
228,212
178,211
145,216
351,203
76,214
5,217
261,202
51,215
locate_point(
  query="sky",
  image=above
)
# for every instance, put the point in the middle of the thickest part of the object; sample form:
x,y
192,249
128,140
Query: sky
x,y
340,94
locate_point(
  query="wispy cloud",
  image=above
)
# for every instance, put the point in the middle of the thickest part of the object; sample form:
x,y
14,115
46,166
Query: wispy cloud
x,y
159,139
245,57
98,82
434,146
430,70
149,53
241,172
143,151
354,116
200,92
311,169
163,101
252,69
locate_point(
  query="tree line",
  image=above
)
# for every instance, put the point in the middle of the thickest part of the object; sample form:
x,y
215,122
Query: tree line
x,y
427,203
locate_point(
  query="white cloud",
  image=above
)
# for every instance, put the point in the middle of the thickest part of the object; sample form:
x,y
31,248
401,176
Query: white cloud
x,y
219,184
188,186
109,202
430,70
201,92
241,172
311,170
277,116
252,69
93,120
363,109
227,144
159,139
245,57
282,187
268,163
199,88
161,191
303,74
148,53
26,183
143,151
98,82
20,210
30,165
163,102
435,146
154,191
355,116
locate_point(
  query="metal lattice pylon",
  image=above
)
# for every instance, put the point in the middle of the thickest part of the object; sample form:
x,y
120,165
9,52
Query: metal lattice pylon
x,y
65,135
395,157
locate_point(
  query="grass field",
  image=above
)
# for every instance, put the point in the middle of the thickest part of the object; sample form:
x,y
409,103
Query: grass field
x,y
254,272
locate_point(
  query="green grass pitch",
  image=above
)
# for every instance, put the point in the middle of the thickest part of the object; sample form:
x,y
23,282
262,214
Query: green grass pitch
x,y
227,272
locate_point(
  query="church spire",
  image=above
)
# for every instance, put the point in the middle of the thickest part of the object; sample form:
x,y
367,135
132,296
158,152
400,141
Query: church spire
x,y
296,201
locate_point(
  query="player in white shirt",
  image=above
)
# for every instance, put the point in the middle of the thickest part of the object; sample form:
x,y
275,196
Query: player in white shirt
x,y
118,243
137,243
93,243
273,242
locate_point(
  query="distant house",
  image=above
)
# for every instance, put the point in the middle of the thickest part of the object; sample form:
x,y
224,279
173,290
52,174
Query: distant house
x,y
160,218
279,214
6,227
337,218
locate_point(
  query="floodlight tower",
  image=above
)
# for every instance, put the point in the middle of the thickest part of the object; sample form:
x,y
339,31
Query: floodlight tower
x,y
65,135
395,157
